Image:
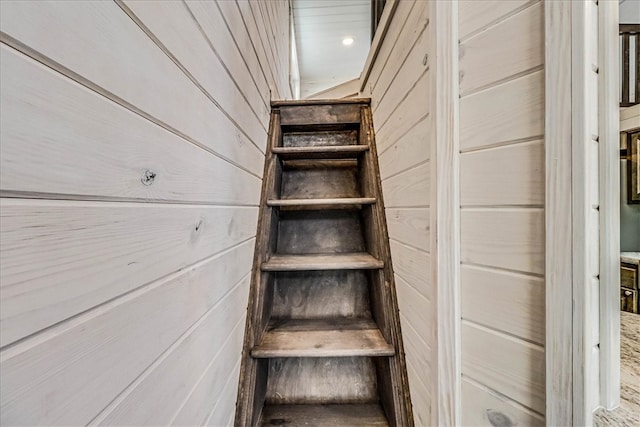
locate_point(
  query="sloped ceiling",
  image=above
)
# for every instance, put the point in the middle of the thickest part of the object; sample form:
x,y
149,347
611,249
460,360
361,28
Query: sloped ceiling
x,y
320,27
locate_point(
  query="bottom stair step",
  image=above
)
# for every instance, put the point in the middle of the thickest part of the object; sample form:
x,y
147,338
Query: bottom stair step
x,y
348,415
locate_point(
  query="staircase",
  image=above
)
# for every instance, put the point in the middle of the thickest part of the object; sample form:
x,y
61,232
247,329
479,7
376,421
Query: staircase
x,y
322,343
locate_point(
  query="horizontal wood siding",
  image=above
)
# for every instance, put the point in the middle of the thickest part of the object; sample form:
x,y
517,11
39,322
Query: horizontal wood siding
x,y
133,138
398,86
502,212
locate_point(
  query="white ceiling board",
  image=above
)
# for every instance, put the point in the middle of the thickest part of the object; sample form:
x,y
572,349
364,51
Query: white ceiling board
x,y
320,27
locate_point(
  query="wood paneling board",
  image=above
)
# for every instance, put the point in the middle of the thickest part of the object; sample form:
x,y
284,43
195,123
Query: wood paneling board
x,y
173,25
474,16
155,397
276,29
485,407
505,301
401,15
418,347
507,49
235,14
408,51
225,404
390,92
84,363
65,36
409,150
409,112
510,238
420,395
48,122
408,189
518,115
508,175
61,258
242,38
244,71
415,307
409,226
195,409
263,36
411,265
508,365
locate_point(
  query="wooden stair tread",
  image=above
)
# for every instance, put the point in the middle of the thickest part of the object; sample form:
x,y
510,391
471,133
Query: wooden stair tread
x,y
345,415
345,261
321,203
320,152
296,102
338,337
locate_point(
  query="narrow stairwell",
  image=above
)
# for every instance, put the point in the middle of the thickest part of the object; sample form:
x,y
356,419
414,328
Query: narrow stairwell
x,y
322,343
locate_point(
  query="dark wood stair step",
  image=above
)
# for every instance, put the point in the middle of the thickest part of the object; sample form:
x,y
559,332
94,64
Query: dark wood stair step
x,y
320,204
345,261
337,337
346,415
321,152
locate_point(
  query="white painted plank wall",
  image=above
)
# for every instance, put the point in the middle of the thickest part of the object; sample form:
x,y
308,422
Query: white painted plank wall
x,y
502,212
133,138
397,86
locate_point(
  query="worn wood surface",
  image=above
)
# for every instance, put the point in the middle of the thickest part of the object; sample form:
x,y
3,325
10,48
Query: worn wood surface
x,y
304,380
320,180
323,338
353,261
369,415
321,294
320,152
320,232
311,284
320,114
315,139
322,204
298,102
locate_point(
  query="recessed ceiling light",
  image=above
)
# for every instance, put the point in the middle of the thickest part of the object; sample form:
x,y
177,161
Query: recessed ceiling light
x,y
347,41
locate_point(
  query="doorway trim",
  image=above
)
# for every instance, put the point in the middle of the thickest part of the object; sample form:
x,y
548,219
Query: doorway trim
x,y
558,215
581,290
609,177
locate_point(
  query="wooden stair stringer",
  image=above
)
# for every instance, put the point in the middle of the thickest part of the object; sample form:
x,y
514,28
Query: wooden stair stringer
x,y
388,307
